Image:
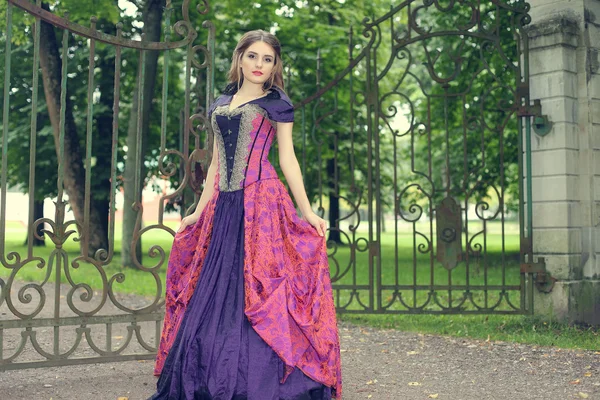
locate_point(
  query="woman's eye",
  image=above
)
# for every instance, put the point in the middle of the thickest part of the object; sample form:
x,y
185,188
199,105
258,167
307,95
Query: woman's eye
x,y
251,55
268,60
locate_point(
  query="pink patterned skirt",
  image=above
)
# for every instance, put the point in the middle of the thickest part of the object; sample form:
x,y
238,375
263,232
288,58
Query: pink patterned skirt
x,y
249,300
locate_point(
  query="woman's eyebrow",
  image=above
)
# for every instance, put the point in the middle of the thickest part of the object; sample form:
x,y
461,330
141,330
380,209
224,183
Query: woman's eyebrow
x,y
253,52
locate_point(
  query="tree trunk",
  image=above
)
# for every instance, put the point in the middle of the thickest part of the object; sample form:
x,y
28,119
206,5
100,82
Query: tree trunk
x,y
152,15
102,144
334,199
74,175
334,203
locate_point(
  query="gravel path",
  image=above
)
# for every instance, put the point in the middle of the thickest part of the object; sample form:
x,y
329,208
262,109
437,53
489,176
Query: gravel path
x,y
376,363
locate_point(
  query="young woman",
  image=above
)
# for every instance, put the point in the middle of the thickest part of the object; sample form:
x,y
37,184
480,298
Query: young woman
x,y
249,303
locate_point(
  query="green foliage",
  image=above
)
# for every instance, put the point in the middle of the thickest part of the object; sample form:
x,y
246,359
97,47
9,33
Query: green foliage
x,y
461,93
21,25
511,328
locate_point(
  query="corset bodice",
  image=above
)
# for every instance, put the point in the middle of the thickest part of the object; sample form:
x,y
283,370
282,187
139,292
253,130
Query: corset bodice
x,y
244,137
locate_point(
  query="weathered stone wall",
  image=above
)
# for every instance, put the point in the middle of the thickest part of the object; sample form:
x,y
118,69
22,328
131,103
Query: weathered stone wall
x,y
564,43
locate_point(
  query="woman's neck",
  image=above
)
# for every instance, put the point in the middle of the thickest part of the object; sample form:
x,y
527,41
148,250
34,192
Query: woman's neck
x,y
249,89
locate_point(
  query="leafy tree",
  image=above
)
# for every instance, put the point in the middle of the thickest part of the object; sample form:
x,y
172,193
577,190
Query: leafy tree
x,y
51,64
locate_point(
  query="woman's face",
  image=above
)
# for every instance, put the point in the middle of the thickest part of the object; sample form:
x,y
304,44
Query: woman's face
x,y
258,62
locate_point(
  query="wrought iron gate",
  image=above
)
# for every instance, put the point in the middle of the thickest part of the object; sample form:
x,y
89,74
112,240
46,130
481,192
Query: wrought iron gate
x,y
427,178
39,317
420,174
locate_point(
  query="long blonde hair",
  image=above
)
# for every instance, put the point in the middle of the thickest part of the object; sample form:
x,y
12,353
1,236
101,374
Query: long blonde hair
x,y
236,78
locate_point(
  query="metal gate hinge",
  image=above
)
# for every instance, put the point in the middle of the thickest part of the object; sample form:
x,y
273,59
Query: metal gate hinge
x,y
543,280
535,267
541,124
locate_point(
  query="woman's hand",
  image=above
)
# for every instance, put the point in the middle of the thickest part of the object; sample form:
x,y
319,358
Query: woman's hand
x,y
187,221
317,222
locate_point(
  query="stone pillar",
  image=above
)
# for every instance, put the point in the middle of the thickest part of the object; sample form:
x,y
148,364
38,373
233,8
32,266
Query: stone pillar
x,y
564,41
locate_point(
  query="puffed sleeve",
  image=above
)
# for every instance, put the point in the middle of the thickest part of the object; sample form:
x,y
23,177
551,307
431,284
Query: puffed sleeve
x,y
214,105
282,109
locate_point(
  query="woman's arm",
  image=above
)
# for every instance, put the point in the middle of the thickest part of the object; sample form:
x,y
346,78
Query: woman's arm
x,y
291,169
206,195
209,186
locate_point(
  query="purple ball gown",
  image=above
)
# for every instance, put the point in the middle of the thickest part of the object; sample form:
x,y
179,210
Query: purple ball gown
x,y
249,305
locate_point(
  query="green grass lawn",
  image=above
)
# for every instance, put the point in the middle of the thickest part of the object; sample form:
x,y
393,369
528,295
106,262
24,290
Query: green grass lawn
x,y
350,267
512,328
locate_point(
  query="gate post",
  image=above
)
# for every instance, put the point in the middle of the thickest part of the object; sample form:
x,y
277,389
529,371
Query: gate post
x,y
564,44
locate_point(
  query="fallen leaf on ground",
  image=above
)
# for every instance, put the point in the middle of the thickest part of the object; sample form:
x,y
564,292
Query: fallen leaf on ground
x,y
414,384
433,396
583,395
588,374
575,382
